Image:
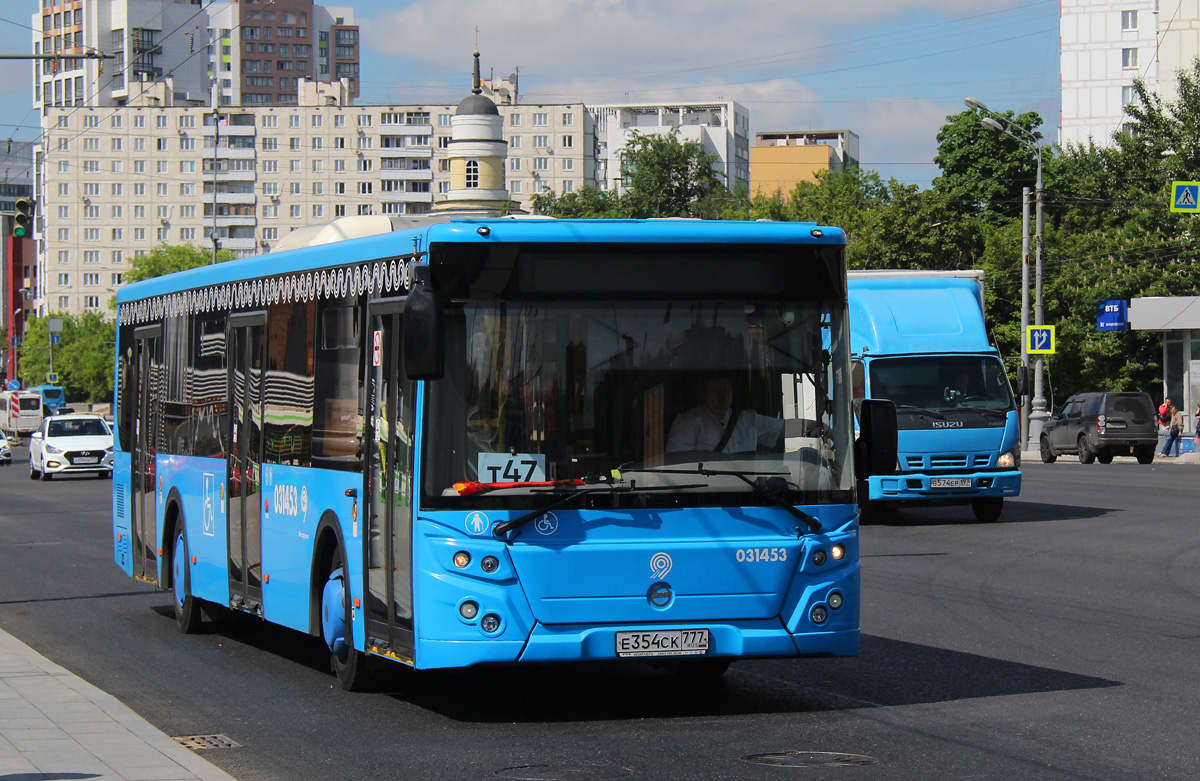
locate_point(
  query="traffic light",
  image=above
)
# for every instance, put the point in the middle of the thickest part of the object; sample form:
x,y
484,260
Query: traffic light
x,y
23,218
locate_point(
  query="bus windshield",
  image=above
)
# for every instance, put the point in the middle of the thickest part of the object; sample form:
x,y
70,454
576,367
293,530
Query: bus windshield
x,y
665,392
941,383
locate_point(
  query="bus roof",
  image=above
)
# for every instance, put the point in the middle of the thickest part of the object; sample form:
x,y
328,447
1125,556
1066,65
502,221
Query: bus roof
x,y
353,248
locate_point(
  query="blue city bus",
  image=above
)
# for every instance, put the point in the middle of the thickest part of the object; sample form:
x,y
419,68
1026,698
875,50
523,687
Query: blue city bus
x,y
449,443
53,397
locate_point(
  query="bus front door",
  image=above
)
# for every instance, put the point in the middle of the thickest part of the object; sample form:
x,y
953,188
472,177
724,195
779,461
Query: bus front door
x,y
145,416
244,462
391,403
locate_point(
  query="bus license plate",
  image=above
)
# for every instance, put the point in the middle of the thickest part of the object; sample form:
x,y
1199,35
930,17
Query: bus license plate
x,y
949,482
88,460
671,642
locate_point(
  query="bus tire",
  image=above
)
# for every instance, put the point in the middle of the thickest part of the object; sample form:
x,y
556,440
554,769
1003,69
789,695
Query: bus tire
x,y
988,510
348,664
187,608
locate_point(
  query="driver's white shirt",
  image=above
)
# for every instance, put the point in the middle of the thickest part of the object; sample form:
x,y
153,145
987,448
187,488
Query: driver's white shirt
x,y
699,429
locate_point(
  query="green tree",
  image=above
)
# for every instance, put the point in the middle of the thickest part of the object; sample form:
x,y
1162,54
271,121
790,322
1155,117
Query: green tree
x,y
169,258
666,177
83,358
983,170
586,202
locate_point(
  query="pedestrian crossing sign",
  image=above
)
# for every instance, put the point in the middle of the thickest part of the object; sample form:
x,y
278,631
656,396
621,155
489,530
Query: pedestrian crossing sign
x,y
1185,196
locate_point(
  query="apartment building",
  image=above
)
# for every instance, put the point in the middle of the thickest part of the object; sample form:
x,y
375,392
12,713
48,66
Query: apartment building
x,y
255,52
722,128
781,159
112,183
1105,46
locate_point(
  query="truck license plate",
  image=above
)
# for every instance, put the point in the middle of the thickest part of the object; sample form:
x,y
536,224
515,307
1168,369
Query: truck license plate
x,y
671,642
949,482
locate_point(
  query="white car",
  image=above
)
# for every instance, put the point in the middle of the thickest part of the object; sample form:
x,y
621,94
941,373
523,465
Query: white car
x,y
70,444
5,451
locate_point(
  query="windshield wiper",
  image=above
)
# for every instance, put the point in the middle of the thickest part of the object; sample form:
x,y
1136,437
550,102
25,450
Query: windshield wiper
x,y
574,494
772,494
920,411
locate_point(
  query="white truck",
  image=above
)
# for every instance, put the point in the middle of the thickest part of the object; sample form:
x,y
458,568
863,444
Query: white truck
x,y
20,412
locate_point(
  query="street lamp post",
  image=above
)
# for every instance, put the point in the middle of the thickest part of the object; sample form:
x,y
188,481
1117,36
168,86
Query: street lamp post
x,y
1034,421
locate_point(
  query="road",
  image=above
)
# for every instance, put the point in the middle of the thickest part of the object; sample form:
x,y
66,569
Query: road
x,y
1060,642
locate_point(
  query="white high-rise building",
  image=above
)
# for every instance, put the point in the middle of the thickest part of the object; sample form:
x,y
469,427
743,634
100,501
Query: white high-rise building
x,y
254,51
1105,46
721,127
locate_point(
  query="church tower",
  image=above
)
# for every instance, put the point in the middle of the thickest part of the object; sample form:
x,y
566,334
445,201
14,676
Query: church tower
x,y
478,154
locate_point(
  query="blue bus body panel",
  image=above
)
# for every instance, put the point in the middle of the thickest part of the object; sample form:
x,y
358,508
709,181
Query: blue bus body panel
x,y
122,544
570,581
498,229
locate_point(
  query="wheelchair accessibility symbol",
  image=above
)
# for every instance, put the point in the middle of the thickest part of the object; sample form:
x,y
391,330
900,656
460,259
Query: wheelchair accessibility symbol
x,y
546,524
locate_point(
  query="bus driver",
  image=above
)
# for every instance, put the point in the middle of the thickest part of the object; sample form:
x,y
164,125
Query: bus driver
x,y
715,427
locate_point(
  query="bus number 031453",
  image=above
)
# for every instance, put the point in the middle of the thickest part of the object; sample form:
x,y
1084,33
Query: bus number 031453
x,y
752,555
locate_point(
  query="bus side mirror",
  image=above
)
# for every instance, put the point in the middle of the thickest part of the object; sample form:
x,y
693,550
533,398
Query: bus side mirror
x,y
1022,381
424,356
876,450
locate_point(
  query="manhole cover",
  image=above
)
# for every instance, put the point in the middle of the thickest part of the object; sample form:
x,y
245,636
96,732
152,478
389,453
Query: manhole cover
x,y
809,759
202,742
553,772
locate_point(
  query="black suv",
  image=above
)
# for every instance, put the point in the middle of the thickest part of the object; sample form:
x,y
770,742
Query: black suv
x,y
1099,426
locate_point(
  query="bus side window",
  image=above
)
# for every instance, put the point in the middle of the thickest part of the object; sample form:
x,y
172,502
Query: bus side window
x,y
337,418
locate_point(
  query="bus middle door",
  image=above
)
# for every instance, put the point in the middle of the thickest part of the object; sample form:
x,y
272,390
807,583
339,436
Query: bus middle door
x,y
391,413
145,416
244,515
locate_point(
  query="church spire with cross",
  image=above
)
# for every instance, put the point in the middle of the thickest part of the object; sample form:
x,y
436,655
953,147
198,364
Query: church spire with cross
x,y
478,154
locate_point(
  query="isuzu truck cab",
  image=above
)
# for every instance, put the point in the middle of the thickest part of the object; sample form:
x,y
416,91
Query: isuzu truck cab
x,y
918,339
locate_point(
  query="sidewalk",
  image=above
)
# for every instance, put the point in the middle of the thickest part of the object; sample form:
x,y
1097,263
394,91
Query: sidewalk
x,y
1035,456
55,725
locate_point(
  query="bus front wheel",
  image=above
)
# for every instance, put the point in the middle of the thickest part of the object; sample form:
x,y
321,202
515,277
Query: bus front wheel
x,y
349,664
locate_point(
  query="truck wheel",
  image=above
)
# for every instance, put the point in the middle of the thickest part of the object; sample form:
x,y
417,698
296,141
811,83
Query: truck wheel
x,y
1145,455
1048,454
1086,456
988,510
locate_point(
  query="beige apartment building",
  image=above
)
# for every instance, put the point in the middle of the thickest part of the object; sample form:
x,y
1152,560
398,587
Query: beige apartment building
x,y
113,182
779,160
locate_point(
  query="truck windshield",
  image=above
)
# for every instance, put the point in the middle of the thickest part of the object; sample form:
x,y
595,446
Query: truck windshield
x,y
941,383
539,392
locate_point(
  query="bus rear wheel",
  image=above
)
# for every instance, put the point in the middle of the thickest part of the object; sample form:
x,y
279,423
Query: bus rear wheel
x,y
187,608
348,664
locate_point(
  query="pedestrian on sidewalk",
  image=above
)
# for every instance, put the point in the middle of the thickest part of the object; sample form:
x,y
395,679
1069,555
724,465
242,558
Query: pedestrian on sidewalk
x,y
1164,422
1174,432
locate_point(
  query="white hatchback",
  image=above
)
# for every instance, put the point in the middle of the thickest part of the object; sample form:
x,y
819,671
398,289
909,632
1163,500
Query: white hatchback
x,y
70,444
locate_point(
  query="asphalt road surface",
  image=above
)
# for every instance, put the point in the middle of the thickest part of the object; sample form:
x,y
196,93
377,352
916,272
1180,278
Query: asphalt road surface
x,y
1060,642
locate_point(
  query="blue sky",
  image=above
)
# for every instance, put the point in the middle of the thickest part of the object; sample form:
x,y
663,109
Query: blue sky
x,y
890,70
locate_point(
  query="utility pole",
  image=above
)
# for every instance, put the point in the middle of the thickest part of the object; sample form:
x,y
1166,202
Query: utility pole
x,y
216,106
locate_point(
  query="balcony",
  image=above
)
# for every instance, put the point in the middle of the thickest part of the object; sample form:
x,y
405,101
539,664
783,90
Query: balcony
x,y
231,197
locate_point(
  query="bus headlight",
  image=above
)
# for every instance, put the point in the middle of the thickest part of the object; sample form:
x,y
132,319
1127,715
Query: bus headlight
x,y
490,623
837,551
835,600
462,559
819,614
468,610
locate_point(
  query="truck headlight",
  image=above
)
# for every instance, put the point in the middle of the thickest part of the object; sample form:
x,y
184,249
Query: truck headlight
x,y
1010,459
